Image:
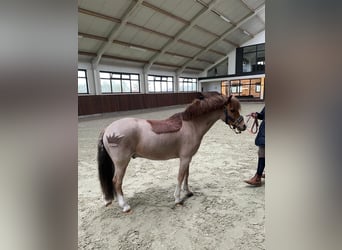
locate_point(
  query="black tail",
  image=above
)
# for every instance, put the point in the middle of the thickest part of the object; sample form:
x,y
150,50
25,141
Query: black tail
x,y
106,169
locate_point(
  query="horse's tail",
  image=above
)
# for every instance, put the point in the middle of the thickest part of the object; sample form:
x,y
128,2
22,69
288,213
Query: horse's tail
x,y
106,170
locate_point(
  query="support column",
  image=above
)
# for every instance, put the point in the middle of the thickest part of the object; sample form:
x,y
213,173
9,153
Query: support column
x,y
97,82
177,83
145,81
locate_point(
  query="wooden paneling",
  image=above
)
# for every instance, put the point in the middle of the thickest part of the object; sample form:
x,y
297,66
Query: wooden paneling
x,y
97,104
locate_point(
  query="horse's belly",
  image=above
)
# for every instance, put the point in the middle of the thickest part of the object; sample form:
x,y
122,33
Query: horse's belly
x,y
157,154
157,151
156,157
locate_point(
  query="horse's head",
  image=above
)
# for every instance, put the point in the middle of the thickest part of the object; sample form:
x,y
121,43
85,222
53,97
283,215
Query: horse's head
x,y
231,115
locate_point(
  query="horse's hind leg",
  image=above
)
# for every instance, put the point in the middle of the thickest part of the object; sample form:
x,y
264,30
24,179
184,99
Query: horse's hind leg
x,y
183,168
185,184
119,175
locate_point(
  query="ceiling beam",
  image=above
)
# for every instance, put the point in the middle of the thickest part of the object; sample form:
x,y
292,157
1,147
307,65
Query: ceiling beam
x,y
101,38
184,21
85,53
99,15
191,24
155,8
116,31
91,36
215,35
231,30
246,5
217,62
223,17
116,20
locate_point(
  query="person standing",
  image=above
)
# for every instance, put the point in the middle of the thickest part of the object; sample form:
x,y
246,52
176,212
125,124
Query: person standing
x,y
260,142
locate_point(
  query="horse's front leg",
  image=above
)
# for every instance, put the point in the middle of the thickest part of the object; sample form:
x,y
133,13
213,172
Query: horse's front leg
x,y
183,168
186,189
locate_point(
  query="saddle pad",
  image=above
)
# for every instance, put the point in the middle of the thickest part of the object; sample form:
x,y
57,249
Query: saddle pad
x,y
169,125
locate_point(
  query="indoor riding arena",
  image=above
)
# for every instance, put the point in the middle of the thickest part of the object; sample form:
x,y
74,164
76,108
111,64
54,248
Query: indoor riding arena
x,y
151,59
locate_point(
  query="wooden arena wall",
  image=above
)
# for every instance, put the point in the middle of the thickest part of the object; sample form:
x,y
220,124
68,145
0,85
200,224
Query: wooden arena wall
x,y
98,104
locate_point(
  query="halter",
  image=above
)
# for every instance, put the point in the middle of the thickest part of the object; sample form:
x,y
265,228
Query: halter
x,y
235,122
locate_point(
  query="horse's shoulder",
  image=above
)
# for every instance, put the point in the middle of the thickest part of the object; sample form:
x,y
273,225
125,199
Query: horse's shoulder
x,y
169,125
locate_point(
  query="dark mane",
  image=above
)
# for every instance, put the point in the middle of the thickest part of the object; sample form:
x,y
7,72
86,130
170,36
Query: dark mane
x,y
207,102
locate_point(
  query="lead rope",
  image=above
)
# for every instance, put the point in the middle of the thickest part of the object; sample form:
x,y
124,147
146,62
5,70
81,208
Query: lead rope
x,y
255,125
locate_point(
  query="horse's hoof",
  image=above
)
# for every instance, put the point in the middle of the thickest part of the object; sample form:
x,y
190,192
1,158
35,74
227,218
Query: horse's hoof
x,y
190,194
179,203
107,203
126,209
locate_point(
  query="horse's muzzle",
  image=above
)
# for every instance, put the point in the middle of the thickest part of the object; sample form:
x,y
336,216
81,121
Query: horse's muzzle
x,y
238,130
244,127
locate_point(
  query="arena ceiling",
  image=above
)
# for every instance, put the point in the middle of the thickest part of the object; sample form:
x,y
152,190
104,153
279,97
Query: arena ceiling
x,y
181,35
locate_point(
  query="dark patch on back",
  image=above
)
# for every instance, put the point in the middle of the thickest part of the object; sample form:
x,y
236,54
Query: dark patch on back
x,y
169,125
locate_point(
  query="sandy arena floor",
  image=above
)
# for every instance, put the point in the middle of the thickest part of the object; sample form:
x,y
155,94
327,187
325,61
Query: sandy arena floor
x,y
224,212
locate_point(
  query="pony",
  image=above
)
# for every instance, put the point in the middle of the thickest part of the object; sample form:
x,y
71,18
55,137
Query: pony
x,y
178,136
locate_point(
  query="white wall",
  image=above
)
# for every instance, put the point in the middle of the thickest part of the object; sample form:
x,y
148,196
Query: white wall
x,y
258,38
211,86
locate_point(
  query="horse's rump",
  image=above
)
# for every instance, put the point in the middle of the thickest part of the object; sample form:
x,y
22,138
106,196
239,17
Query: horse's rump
x,y
169,125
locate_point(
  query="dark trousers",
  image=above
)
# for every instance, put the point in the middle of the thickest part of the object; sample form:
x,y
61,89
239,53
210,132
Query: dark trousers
x,y
261,160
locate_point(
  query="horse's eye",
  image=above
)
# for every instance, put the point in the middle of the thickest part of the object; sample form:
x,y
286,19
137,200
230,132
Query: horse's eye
x,y
232,110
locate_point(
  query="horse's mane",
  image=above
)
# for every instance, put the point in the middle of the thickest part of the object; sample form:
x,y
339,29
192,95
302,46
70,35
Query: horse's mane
x,y
207,102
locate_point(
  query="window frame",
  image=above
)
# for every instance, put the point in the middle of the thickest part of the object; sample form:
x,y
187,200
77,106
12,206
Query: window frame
x,y
237,86
121,77
187,80
160,79
86,79
250,60
254,50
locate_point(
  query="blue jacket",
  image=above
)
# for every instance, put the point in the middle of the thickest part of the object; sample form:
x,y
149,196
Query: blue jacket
x,y
260,138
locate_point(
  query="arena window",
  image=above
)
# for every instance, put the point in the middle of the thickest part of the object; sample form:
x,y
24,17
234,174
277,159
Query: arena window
x,y
115,82
250,59
82,82
187,84
160,83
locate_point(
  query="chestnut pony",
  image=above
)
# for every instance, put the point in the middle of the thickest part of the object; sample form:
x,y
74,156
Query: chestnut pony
x,y
179,136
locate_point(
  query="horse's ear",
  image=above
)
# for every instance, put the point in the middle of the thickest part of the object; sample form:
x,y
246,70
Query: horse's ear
x,y
229,99
200,96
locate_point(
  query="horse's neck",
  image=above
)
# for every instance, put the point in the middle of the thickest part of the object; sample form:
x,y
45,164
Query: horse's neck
x,y
205,122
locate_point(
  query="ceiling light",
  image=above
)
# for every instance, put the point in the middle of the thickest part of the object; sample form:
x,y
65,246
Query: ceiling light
x,y
177,56
246,33
80,36
225,19
137,48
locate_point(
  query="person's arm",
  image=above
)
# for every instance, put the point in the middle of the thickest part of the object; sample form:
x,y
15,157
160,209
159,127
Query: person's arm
x,y
258,115
261,115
